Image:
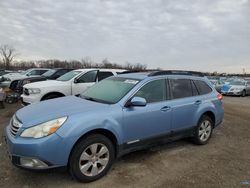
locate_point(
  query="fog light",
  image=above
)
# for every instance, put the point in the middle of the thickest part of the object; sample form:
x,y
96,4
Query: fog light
x,y
32,163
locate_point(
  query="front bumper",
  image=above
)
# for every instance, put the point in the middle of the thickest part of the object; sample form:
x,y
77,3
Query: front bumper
x,y
52,150
29,99
5,84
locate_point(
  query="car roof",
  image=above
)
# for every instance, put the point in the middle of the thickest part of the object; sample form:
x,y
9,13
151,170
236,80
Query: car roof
x,y
144,75
113,70
137,75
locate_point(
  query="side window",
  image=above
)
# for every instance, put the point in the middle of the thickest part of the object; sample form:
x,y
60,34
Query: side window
x,y
202,87
154,91
34,72
60,72
88,77
181,88
42,71
103,75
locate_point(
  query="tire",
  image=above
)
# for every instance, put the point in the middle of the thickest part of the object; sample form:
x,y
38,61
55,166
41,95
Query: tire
x,y
243,93
93,167
203,130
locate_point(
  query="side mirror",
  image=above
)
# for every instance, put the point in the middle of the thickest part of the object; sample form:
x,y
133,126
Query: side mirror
x,y
137,101
75,80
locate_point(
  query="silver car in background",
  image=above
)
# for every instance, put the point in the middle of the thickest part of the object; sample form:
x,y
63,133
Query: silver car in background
x,y
236,87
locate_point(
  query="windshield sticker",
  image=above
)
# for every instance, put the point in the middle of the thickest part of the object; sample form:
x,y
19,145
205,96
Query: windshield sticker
x,y
131,81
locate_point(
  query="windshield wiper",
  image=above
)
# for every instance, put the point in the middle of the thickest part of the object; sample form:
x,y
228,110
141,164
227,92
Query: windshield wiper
x,y
95,100
90,98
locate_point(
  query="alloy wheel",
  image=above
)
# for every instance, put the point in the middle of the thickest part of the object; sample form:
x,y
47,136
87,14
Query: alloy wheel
x,y
94,159
205,130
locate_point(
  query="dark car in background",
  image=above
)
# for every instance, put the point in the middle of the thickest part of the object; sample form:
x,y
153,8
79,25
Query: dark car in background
x,y
51,74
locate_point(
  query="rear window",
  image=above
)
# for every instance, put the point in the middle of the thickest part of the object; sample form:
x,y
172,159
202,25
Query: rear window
x,y
202,87
103,75
181,88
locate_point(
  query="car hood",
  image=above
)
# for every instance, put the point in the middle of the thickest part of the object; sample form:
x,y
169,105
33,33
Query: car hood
x,y
14,76
47,83
55,108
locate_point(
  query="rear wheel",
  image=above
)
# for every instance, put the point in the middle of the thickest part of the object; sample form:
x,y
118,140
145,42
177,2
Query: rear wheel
x,y
91,158
243,93
204,130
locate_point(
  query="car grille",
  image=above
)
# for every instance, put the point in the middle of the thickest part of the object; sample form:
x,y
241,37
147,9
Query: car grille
x,y
26,91
15,125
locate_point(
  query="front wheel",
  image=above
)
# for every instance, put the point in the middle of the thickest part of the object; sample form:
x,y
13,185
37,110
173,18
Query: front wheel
x,y
203,131
91,158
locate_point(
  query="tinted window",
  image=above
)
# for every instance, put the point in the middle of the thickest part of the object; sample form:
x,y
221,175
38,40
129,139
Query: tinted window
x,y
49,73
42,71
103,75
181,88
60,73
202,87
88,77
154,91
34,72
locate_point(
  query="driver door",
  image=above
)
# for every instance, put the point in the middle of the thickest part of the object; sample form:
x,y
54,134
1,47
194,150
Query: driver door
x,y
150,121
84,82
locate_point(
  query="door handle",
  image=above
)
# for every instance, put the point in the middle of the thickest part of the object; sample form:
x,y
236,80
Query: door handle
x,y
165,108
198,102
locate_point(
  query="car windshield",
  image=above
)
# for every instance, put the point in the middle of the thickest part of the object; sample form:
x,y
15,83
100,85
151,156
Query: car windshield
x,y
110,90
68,76
49,73
239,83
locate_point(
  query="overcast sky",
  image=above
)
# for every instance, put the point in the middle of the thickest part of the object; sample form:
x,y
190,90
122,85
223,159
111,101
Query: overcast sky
x,y
206,35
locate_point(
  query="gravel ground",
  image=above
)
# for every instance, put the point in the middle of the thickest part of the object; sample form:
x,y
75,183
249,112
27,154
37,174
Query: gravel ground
x,y
224,162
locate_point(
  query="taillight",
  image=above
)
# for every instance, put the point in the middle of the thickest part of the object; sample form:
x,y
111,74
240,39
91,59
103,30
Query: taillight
x,y
219,97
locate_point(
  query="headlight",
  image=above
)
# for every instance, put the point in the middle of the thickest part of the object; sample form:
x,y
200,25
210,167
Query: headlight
x,y
6,79
237,89
34,90
44,129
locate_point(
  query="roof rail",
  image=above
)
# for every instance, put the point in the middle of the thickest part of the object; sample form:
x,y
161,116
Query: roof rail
x,y
176,72
128,71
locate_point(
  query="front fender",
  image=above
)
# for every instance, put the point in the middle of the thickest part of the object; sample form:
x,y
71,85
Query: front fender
x,y
78,125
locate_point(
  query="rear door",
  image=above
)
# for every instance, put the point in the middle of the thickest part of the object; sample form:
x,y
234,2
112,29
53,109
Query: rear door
x,y
84,82
184,103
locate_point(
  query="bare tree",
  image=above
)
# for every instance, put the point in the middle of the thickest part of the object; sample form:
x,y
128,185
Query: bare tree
x,y
8,53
